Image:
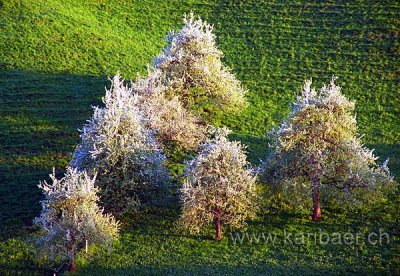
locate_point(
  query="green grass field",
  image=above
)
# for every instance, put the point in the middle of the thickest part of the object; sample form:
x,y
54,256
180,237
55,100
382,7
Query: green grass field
x,y
55,57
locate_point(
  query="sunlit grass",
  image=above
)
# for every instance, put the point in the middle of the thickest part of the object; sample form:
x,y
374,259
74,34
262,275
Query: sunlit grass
x,y
55,57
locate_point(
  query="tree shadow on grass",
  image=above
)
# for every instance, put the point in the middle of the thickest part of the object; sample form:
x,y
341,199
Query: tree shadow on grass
x,y
193,269
39,117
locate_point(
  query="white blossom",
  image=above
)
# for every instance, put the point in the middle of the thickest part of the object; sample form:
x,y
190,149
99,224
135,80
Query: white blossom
x,y
118,145
219,184
318,145
71,215
190,68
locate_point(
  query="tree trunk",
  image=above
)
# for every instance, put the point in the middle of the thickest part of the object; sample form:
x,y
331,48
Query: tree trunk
x,y
218,226
317,210
315,177
71,253
72,265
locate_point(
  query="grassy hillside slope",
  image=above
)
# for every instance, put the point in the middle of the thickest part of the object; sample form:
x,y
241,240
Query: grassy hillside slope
x,y
55,57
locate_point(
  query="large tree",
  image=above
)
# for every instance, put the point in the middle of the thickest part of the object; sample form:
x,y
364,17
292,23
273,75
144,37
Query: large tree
x,y
71,217
318,147
124,153
187,85
190,68
220,187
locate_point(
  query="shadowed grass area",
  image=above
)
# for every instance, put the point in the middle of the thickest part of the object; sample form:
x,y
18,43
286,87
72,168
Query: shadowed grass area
x,y
39,117
269,245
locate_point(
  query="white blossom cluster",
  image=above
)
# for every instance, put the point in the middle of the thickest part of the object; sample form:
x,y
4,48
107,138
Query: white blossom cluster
x,y
71,215
191,69
219,183
319,140
328,96
117,145
107,124
172,123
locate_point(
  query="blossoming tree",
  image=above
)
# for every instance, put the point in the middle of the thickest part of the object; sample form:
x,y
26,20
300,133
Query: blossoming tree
x,y
219,188
187,85
190,68
117,145
318,146
71,217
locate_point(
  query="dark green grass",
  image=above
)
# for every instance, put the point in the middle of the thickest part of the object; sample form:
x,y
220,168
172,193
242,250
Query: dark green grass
x,y
155,246
55,57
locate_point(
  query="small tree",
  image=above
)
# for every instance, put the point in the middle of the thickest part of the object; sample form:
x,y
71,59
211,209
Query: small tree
x,y
318,146
219,188
190,68
117,145
70,216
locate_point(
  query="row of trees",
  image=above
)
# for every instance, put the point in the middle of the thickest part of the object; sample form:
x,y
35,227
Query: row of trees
x,y
124,146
